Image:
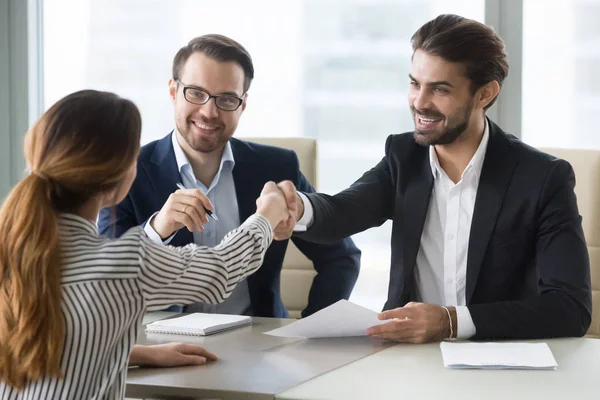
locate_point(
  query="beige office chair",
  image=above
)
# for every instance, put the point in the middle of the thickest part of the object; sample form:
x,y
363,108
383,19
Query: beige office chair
x,y
586,164
298,271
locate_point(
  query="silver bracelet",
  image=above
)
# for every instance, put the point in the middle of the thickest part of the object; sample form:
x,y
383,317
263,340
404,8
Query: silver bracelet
x,y
450,320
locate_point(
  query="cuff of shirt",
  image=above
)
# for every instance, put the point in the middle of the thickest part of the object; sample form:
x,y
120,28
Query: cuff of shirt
x,y
307,218
152,235
466,327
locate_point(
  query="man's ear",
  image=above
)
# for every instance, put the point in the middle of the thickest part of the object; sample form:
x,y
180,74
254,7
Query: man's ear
x,y
173,89
245,101
487,93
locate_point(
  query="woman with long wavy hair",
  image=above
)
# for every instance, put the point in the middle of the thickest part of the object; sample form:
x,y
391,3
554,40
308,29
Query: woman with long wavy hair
x,y
71,302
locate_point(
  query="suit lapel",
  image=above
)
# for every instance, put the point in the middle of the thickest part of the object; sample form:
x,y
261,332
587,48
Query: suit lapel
x,y
163,174
414,213
247,186
247,190
496,174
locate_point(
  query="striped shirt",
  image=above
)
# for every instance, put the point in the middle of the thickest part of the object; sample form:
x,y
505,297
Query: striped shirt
x,y
108,285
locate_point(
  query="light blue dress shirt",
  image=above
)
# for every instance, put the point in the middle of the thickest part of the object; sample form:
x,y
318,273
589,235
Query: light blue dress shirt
x,y
222,195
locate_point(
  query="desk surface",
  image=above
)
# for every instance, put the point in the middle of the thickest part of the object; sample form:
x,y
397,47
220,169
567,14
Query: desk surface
x,y
417,372
251,365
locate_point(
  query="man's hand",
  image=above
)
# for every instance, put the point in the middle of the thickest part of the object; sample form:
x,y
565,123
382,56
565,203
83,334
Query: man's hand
x,y
296,209
415,323
184,208
170,355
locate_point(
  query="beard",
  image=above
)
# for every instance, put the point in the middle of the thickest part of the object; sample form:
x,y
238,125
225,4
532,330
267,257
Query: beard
x,y
457,125
203,143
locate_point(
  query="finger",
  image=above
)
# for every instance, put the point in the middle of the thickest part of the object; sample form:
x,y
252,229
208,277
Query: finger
x,y
269,187
401,337
284,230
399,313
193,214
197,212
285,226
197,194
210,356
280,233
392,326
290,222
289,191
192,206
191,349
185,220
192,360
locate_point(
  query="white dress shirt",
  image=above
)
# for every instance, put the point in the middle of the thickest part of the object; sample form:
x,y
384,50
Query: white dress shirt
x,y
440,276
441,272
222,195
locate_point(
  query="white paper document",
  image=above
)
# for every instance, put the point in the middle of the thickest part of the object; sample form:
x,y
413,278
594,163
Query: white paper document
x,y
498,355
338,320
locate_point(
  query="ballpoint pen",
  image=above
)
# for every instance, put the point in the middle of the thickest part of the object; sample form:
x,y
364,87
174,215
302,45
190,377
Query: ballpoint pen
x,y
212,215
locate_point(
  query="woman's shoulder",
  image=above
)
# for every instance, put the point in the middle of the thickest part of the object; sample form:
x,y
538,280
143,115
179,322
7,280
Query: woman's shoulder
x,y
93,257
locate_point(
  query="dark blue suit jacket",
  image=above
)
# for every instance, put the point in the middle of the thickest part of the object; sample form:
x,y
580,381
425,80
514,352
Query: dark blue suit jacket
x,y
337,264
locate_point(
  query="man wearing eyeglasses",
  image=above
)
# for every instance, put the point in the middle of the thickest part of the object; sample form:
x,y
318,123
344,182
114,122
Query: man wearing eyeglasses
x,y
209,86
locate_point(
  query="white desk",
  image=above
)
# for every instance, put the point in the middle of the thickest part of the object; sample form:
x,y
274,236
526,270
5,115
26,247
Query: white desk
x,y
417,372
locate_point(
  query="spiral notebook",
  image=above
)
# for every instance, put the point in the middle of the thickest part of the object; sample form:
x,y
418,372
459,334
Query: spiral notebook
x,y
198,324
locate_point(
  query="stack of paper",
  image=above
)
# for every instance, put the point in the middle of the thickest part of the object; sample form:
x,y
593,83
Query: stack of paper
x,y
498,355
198,324
338,320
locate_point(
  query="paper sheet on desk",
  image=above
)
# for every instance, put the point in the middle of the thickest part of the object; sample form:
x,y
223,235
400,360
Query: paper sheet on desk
x,y
338,320
498,355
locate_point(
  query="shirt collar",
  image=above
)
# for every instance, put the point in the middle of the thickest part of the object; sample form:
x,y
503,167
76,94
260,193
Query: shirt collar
x,y
476,162
76,224
182,159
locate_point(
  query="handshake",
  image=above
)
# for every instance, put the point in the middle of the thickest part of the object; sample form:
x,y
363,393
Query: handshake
x,y
283,201
279,203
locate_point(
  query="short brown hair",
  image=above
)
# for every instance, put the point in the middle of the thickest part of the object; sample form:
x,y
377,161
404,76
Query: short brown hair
x,y
458,39
220,48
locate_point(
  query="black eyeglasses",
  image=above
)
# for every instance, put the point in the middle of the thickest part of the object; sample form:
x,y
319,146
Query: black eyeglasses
x,y
225,102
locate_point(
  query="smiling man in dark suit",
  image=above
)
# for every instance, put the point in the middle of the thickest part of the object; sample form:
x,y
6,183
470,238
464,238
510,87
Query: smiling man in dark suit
x,y
487,241
209,85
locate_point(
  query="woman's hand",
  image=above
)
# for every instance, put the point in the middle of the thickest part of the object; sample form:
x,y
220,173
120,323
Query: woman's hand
x,y
272,204
170,355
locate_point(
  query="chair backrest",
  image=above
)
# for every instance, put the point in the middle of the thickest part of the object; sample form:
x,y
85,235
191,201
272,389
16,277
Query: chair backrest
x,y
586,164
298,271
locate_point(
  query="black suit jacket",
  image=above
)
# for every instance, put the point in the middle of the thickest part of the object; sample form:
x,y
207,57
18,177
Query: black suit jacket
x,y
528,273
337,264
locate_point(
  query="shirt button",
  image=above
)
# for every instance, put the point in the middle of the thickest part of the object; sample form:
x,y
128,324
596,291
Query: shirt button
x,y
450,236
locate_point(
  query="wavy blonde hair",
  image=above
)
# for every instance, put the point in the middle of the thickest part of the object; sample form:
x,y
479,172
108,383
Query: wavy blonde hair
x,y
81,147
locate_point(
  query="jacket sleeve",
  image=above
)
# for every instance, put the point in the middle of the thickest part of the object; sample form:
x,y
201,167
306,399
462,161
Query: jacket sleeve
x,y
115,221
337,266
367,203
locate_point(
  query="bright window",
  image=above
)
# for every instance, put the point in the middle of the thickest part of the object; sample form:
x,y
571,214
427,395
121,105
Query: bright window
x,y
334,70
561,59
